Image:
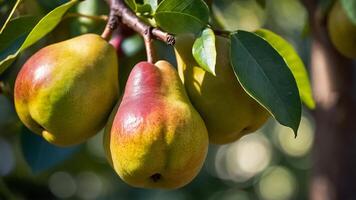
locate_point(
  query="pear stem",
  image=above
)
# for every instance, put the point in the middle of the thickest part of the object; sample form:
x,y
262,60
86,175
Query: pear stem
x,y
149,46
120,13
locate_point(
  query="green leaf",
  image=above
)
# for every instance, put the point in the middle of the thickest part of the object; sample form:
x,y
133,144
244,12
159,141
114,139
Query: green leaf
x,y
44,26
204,50
350,8
266,77
16,28
294,63
10,15
182,16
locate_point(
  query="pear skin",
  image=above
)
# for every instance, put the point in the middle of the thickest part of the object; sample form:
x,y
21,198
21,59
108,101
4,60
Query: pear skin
x,y
228,111
156,139
342,31
66,91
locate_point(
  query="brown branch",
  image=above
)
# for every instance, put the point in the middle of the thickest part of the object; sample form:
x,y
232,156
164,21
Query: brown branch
x,y
120,13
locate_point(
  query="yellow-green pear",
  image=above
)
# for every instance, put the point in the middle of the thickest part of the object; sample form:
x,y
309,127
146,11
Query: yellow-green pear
x,y
228,111
342,31
66,91
156,139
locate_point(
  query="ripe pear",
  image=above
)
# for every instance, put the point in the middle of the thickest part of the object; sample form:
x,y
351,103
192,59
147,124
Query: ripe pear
x,y
228,111
156,139
342,31
66,91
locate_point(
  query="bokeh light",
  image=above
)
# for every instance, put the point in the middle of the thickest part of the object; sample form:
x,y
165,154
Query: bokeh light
x,y
238,14
62,184
282,13
132,45
244,158
89,185
292,146
220,163
277,183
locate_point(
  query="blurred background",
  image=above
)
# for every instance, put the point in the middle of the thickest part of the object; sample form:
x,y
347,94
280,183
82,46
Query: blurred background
x,y
269,164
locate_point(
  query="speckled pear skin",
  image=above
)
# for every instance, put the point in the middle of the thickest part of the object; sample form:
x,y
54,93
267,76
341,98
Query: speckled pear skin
x,y
156,138
66,91
228,111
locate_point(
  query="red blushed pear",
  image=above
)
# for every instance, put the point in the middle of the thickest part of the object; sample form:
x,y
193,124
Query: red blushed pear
x,y
156,139
66,91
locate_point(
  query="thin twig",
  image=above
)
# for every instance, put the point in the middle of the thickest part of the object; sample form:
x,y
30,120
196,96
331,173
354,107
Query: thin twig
x,y
110,26
222,33
120,13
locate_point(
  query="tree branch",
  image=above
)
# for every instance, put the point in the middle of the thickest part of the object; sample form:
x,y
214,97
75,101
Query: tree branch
x,y
120,13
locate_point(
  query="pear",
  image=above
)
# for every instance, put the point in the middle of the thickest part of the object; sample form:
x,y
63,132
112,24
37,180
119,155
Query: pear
x,y
66,91
156,139
228,111
342,31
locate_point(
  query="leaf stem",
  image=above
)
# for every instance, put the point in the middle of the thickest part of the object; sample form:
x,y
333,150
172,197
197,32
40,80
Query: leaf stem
x,y
10,15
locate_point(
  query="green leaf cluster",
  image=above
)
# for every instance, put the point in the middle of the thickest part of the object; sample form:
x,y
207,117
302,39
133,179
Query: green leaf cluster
x,y
35,32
